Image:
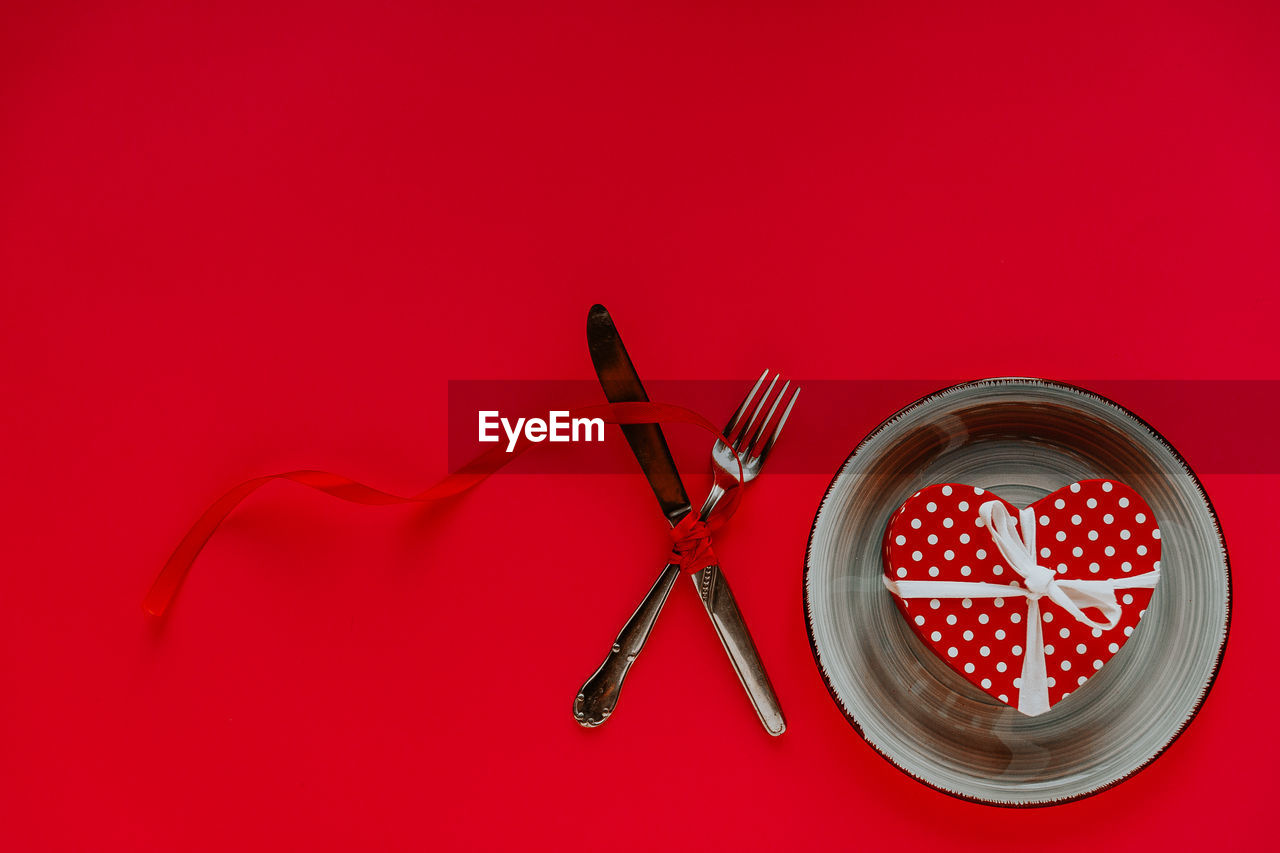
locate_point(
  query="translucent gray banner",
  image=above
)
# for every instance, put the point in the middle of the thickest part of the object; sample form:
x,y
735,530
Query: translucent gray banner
x,y
1219,426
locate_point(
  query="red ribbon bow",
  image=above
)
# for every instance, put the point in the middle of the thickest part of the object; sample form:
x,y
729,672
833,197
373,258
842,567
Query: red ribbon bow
x,y
692,544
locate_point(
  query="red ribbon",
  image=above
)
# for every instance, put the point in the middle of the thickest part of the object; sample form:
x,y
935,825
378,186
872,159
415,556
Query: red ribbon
x,y
692,549
692,538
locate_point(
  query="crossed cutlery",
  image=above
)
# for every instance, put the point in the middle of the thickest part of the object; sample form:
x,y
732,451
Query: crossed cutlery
x,y
751,440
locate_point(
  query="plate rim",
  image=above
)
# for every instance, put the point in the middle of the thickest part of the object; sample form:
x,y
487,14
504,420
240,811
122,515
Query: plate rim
x,y
1159,437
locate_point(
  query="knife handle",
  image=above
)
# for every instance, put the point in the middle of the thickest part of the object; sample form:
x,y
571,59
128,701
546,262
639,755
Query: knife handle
x,y
722,607
597,698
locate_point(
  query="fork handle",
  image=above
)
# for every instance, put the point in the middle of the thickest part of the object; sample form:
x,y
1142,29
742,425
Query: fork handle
x,y
730,627
598,696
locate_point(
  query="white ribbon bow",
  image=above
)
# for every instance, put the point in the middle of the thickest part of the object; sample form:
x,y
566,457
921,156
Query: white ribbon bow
x,y
1071,595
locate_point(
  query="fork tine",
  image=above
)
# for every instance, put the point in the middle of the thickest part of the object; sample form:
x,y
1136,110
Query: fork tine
x,y
777,430
764,424
740,439
742,407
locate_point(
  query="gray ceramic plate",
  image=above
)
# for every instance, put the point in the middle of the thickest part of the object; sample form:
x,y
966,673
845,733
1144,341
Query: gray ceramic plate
x,y
1021,438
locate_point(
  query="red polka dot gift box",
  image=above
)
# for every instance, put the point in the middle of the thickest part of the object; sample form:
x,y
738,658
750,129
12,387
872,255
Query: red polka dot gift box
x,y
1026,603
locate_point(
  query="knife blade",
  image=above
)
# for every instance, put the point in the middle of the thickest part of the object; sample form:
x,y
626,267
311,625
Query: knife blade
x,y
599,695
622,384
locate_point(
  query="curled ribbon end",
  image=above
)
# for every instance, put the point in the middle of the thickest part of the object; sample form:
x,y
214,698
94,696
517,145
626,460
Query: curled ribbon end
x,y
157,601
691,544
693,541
155,610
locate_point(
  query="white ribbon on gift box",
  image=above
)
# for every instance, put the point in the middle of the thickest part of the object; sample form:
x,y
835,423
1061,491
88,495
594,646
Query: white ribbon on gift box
x,y
1069,594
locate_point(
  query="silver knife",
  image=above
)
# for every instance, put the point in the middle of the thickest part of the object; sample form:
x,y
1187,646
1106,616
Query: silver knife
x,y
599,695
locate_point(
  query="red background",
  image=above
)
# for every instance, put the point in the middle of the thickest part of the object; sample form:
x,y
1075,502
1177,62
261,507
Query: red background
x,y
241,240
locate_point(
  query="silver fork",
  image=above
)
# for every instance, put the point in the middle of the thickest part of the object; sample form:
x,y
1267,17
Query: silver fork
x,y
752,453
599,695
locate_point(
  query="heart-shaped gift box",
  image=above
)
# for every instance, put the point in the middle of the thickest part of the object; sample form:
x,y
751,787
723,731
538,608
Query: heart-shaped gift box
x,y
1026,604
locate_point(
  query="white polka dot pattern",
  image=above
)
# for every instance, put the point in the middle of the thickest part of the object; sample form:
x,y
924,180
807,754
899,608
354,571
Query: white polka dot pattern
x,y
1109,532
